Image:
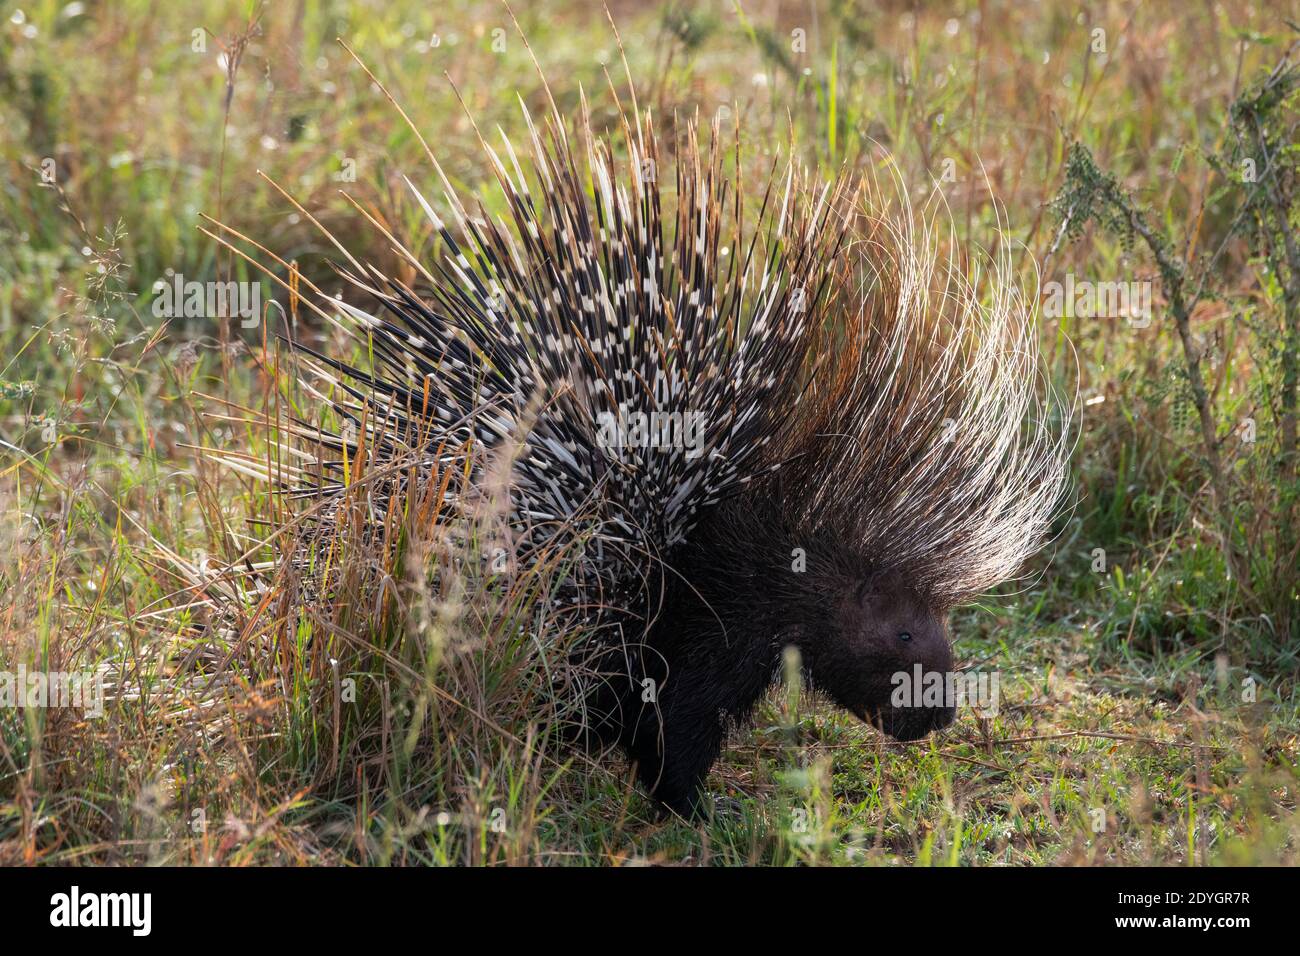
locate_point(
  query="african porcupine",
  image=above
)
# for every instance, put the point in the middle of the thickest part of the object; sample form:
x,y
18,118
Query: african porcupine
x,y
852,446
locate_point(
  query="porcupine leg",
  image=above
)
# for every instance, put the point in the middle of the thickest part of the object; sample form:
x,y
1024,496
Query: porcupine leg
x,y
673,754
670,751
675,743
694,678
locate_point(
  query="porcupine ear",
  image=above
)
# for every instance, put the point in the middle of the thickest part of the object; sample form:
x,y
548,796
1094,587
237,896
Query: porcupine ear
x,y
927,439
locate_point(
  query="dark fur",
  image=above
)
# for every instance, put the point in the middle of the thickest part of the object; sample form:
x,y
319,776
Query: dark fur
x,y
729,603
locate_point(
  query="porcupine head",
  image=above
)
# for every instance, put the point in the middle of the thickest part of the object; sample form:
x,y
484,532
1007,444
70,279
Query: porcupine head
x,y
869,637
751,585
870,628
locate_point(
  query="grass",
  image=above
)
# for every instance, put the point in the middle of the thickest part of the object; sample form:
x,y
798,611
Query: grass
x,y
1149,711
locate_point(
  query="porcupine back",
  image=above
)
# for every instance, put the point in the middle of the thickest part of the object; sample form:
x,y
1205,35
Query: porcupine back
x,y
576,309
928,437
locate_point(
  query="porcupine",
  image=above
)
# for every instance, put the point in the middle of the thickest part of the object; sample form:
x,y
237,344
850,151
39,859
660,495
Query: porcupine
x,y
870,445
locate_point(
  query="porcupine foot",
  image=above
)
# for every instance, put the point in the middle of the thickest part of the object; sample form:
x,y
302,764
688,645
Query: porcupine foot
x,y
672,766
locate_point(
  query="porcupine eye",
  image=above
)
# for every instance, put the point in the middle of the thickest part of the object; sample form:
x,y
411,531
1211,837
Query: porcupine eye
x,y
904,636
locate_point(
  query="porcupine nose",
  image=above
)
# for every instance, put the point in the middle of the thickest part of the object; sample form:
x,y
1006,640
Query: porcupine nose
x,y
941,717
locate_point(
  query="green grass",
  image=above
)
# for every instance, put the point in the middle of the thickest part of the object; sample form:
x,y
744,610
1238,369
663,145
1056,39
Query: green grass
x,y
1125,691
